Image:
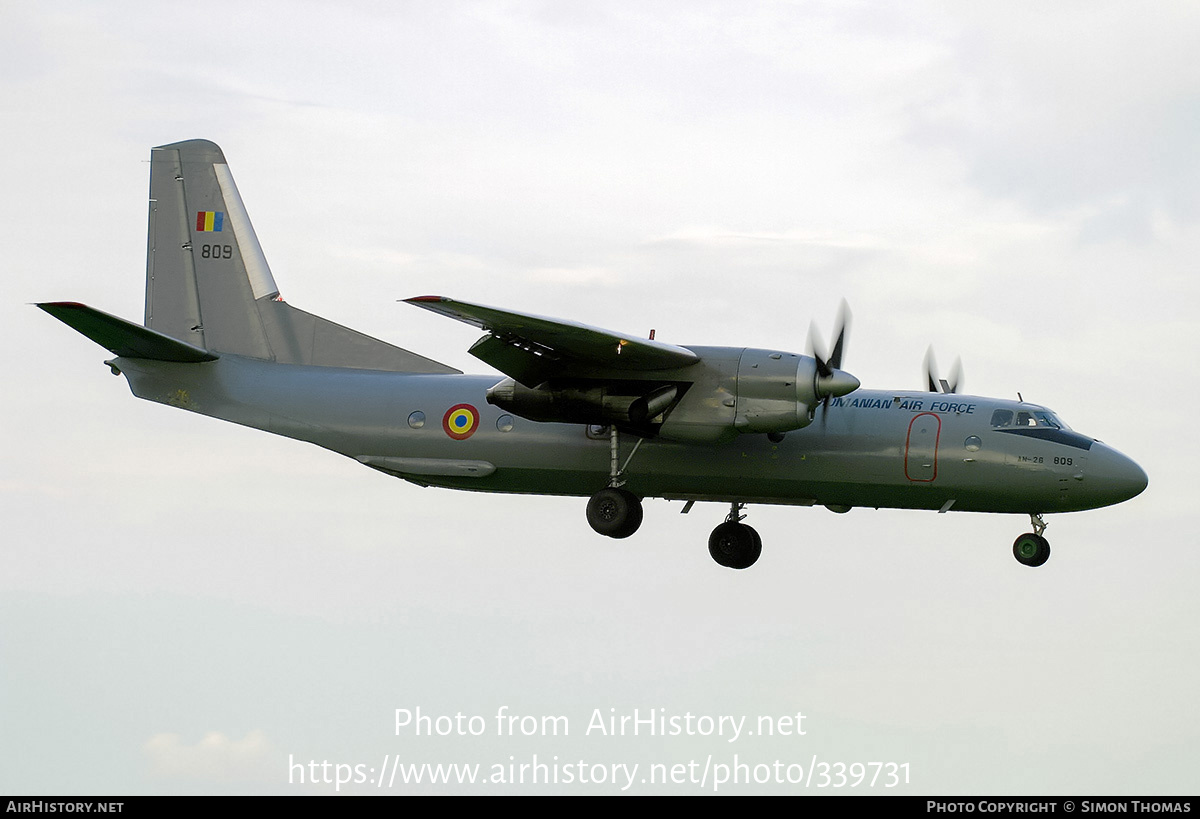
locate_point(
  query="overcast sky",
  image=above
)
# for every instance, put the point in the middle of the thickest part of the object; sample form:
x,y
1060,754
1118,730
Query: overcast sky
x,y
187,605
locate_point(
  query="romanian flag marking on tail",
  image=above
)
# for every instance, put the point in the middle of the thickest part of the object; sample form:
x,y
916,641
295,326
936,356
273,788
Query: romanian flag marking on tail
x,y
208,221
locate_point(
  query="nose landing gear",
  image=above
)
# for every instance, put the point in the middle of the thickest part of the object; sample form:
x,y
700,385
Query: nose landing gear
x,y
1031,549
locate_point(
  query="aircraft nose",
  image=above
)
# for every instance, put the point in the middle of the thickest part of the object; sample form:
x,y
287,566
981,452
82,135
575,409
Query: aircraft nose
x,y
1111,477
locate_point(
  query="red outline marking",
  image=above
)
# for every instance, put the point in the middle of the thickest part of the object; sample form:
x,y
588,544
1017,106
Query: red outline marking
x,y
936,438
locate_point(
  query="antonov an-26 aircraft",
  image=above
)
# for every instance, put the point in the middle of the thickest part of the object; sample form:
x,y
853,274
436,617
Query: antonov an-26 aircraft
x,y
582,411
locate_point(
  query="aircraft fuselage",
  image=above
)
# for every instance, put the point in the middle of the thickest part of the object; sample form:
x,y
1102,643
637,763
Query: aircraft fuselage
x,y
913,450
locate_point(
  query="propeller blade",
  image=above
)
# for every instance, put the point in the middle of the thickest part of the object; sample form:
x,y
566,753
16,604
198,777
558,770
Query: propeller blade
x,y
817,348
840,329
956,376
930,366
831,380
933,383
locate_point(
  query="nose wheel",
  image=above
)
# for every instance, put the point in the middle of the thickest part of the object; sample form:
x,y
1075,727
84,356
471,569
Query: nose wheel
x,y
1031,549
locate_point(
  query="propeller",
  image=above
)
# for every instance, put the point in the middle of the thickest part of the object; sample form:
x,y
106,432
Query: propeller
x,y
935,384
826,364
831,380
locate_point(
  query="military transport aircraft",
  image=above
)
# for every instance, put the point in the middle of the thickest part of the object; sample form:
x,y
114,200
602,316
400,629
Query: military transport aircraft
x,y
582,411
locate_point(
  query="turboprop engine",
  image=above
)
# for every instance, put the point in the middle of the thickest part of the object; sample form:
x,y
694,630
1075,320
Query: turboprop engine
x,y
720,392
779,392
582,402
728,392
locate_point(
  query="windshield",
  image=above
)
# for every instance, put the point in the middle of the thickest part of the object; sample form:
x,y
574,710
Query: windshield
x,y
1027,418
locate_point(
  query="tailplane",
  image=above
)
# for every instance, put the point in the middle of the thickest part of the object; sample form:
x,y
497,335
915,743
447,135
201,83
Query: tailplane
x,y
208,283
124,337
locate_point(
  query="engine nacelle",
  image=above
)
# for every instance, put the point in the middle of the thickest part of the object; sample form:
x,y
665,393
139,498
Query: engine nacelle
x,y
774,391
584,403
744,390
731,391
778,392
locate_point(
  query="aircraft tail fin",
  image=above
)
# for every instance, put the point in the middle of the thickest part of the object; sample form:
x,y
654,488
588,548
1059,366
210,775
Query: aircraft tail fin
x,y
208,283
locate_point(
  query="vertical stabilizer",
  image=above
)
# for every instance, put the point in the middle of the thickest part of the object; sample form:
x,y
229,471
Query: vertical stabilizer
x,y
201,254
208,282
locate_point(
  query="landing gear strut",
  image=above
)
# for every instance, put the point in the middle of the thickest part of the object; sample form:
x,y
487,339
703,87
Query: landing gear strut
x,y
613,511
735,544
1031,549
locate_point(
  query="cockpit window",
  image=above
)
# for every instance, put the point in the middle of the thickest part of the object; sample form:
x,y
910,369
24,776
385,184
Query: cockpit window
x,y
1027,418
1049,419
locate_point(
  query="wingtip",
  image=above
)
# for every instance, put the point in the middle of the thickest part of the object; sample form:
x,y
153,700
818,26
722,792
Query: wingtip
x,y
420,299
59,306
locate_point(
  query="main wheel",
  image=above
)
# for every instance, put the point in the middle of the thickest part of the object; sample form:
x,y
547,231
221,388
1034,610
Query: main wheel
x,y
1031,550
735,545
614,512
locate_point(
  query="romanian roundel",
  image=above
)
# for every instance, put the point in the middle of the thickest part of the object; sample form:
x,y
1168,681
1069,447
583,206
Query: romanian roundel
x,y
461,421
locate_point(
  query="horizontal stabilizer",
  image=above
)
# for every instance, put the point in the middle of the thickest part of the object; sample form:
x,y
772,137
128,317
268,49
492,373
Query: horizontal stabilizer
x,y
124,337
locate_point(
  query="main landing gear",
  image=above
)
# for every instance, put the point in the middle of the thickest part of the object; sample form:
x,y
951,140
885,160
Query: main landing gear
x,y
617,513
614,511
735,544
1031,549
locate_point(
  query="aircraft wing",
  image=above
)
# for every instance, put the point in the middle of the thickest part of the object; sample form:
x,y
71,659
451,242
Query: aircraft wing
x,y
532,348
